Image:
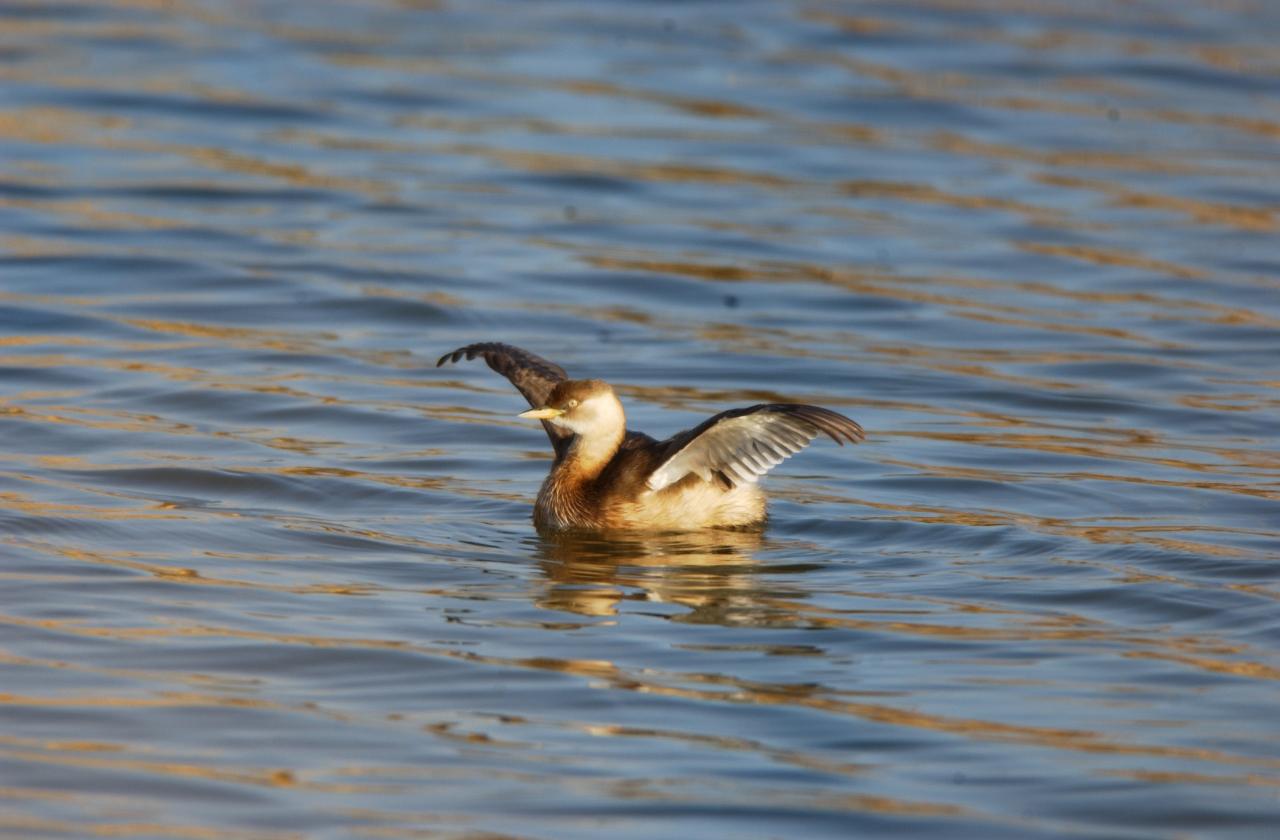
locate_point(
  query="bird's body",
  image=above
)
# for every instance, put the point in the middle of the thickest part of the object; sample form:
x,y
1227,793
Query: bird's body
x,y
605,477
581,492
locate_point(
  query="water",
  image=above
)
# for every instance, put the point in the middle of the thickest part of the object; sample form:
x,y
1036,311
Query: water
x,y
268,573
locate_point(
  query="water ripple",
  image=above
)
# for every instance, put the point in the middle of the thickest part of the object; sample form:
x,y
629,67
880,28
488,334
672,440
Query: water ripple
x,y
271,574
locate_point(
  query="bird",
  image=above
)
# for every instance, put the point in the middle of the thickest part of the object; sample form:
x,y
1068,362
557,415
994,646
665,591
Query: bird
x,y
605,477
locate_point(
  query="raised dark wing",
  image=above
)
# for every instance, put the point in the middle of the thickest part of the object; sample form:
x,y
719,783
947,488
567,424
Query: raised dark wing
x,y
740,445
533,376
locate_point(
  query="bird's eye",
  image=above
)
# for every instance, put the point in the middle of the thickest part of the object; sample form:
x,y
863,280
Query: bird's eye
x,y
573,403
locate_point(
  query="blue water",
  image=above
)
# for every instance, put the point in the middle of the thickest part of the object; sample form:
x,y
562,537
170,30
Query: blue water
x,y
269,573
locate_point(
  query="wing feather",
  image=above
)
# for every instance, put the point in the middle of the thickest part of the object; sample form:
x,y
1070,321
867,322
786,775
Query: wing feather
x,y
740,445
532,375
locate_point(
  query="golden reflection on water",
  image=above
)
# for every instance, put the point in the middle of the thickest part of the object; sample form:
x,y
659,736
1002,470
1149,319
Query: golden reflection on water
x,y
891,285
1077,267
714,576
108,827
701,686
590,575
1202,212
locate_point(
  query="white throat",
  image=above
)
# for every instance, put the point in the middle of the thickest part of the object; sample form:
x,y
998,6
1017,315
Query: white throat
x,y
598,425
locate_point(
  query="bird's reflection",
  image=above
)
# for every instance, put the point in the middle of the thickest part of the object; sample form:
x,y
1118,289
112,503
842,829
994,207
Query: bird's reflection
x,y
713,573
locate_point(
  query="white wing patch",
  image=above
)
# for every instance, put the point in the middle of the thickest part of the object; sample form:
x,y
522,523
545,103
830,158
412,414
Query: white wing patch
x,y
741,448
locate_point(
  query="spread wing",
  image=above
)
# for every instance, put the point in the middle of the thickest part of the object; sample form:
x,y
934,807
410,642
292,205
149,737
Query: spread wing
x,y
532,375
738,446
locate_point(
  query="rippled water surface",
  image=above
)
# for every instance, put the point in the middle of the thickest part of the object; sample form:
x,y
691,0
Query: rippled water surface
x,y
268,573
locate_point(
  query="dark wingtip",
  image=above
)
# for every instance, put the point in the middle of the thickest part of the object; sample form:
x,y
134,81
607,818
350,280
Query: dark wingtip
x,y
455,355
851,430
834,425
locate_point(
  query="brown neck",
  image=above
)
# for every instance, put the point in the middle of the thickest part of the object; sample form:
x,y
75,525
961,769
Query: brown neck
x,y
589,455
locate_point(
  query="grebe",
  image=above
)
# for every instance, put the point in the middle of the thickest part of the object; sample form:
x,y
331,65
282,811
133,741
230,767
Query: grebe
x,y
605,477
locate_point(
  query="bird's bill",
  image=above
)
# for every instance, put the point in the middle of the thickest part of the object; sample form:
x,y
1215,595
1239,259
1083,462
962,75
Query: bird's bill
x,y
541,413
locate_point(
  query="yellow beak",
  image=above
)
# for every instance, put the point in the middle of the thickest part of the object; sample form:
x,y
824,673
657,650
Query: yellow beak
x,y
541,413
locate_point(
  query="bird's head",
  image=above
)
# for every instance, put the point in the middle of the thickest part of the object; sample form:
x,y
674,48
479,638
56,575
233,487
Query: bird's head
x,y
583,406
